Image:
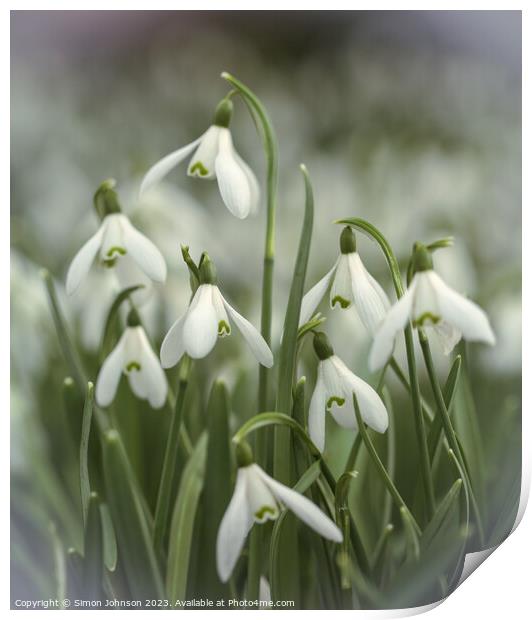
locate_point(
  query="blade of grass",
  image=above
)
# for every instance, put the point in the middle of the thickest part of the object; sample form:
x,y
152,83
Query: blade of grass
x,y
85,487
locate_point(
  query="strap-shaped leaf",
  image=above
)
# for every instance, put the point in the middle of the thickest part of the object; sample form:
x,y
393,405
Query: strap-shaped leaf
x,y
85,487
183,522
110,553
93,554
131,520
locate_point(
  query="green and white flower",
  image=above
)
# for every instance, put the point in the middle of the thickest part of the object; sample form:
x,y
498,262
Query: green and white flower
x,y
258,498
134,357
115,240
214,157
352,284
334,391
430,303
206,319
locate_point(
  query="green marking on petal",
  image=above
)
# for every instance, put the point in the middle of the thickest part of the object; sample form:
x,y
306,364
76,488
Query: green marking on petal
x,y
223,329
200,169
335,399
115,250
344,303
133,366
265,512
427,317
109,263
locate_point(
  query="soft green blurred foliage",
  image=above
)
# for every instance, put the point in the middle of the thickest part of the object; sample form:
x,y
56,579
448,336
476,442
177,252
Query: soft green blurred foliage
x,y
422,140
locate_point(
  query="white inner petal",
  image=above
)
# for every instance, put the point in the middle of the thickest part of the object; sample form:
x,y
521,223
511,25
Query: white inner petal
x,y
341,291
202,162
260,499
113,239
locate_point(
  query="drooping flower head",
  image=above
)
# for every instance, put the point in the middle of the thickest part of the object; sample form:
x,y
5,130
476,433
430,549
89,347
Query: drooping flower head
x,y
334,391
431,304
133,357
207,318
258,498
352,284
214,157
116,240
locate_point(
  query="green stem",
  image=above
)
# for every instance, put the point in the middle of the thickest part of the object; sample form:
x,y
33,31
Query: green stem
x,y
427,411
419,424
381,469
448,427
261,448
395,272
169,473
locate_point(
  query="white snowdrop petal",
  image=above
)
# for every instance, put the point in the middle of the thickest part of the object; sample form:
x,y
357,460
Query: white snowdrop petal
x,y
372,408
202,162
173,346
370,300
110,373
464,314
82,262
425,309
255,341
138,383
128,274
316,415
253,184
333,383
200,328
344,415
224,327
163,166
232,180
155,378
113,237
448,336
341,292
234,528
313,297
394,322
261,501
144,252
303,508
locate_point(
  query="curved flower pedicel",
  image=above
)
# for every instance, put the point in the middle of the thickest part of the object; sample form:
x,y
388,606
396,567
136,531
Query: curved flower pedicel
x,y
134,357
430,303
334,391
352,284
116,240
256,499
215,158
206,318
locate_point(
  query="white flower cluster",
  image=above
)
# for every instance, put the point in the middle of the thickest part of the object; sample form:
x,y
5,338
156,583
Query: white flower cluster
x,y
428,303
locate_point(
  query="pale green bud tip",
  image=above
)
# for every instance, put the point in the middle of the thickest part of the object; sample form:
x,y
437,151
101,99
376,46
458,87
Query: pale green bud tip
x,y
322,346
348,242
207,270
68,382
223,113
133,318
106,199
421,258
94,496
244,454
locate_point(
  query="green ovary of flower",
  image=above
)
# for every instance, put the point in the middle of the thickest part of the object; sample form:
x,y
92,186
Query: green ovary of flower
x,y
340,300
200,168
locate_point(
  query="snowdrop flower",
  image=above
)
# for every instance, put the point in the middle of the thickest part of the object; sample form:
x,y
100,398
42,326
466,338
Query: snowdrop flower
x,y
206,318
256,499
334,391
430,303
116,239
134,357
351,284
214,158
